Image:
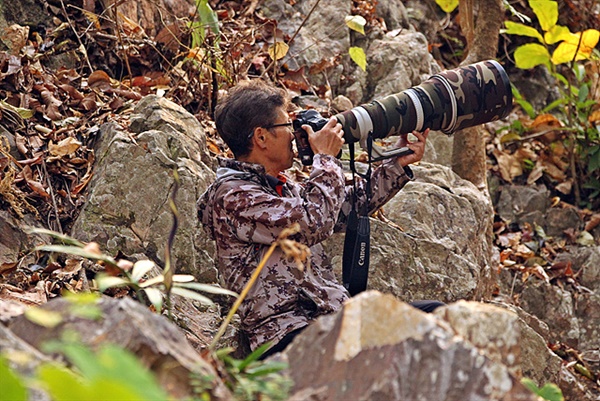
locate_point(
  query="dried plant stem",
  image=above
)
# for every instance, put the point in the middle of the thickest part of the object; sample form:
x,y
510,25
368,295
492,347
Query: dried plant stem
x,y
242,296
81,46
118,29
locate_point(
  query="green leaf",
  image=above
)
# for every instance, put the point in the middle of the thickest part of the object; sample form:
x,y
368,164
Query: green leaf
x,y
61,237
525,105
105,282
12,387
356,23
447,5
24,113
358,55
155,297
554,104
515,28
254,355
208,16
42,317
266,368
549,391
62,384
210,288
191,295
593,160
120,365
546,12
75,250
140,268
531,55
84,305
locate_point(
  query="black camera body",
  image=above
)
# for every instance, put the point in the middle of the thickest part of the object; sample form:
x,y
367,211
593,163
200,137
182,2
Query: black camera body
x,y
317,122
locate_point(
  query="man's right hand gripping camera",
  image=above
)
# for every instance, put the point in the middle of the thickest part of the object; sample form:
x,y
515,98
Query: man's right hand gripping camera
x,y
449,101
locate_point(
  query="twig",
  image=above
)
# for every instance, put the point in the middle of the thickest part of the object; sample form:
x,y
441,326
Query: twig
x,y
304,21
250,10
292,38
81,46
116,16
52,196
169,269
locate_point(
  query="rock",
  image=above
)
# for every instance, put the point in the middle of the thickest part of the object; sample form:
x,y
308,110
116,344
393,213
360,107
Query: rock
x,y
398,63
15,242
585,262
493,330
378,348
443,250
159,344
393,13
127,206
24,360
556,221
517,204
554,306
316,41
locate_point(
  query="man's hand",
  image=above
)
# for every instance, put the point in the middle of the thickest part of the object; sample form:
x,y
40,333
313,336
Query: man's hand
x,y
328,140
418,147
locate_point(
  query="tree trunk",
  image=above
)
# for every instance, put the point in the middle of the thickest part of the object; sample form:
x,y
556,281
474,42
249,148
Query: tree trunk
x,y
480,21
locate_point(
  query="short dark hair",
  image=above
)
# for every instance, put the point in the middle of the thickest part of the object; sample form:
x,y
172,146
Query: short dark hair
x,y
248,105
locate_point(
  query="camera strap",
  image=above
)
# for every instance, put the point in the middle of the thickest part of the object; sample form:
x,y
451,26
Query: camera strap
x,y
355,261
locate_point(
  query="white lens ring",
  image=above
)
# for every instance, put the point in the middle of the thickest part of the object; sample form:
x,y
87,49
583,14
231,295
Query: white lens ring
x,y
365,124
453,120
412,94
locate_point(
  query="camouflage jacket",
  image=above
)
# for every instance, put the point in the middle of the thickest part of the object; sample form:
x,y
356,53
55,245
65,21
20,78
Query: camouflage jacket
x,y
244,213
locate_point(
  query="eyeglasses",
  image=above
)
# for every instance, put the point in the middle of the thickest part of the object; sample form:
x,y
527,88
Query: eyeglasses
x,y
289,125
279,125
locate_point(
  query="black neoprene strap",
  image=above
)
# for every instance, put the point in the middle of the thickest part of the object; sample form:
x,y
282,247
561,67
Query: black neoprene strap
x,y
355,261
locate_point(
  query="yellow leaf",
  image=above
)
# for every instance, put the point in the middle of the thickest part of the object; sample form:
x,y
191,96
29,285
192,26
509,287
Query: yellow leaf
x,y
65,147
356,23
41,317
565,52
447,5
558,33
358,55
278,50
594,117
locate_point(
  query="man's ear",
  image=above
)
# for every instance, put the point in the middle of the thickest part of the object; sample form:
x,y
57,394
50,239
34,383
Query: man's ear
x,y
260,137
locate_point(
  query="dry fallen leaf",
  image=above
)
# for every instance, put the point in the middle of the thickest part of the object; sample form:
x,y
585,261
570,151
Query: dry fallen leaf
x,y
65,147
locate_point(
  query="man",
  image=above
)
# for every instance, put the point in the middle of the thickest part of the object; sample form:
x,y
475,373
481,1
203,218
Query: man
x,y
252,201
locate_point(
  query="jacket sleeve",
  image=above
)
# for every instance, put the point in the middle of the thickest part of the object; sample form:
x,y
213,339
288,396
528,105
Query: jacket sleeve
x,y
386,181
257,215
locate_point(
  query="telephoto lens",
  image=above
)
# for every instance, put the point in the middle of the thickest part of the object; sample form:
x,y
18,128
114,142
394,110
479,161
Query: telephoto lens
x,y
449,101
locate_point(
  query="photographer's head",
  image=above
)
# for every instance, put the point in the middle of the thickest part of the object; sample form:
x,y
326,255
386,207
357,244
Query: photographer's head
x,y
247,107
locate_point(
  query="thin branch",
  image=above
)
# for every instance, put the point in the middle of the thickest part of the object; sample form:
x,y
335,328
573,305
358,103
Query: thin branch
x,y
118,29
81,46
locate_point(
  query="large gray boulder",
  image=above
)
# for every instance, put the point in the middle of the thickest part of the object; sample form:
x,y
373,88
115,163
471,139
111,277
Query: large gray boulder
x,y
127,206
441,249
378,348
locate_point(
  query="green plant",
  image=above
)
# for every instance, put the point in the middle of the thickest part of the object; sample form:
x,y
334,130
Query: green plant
x,y
357,54
252,379
133,275
549,391
557,45
113,372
